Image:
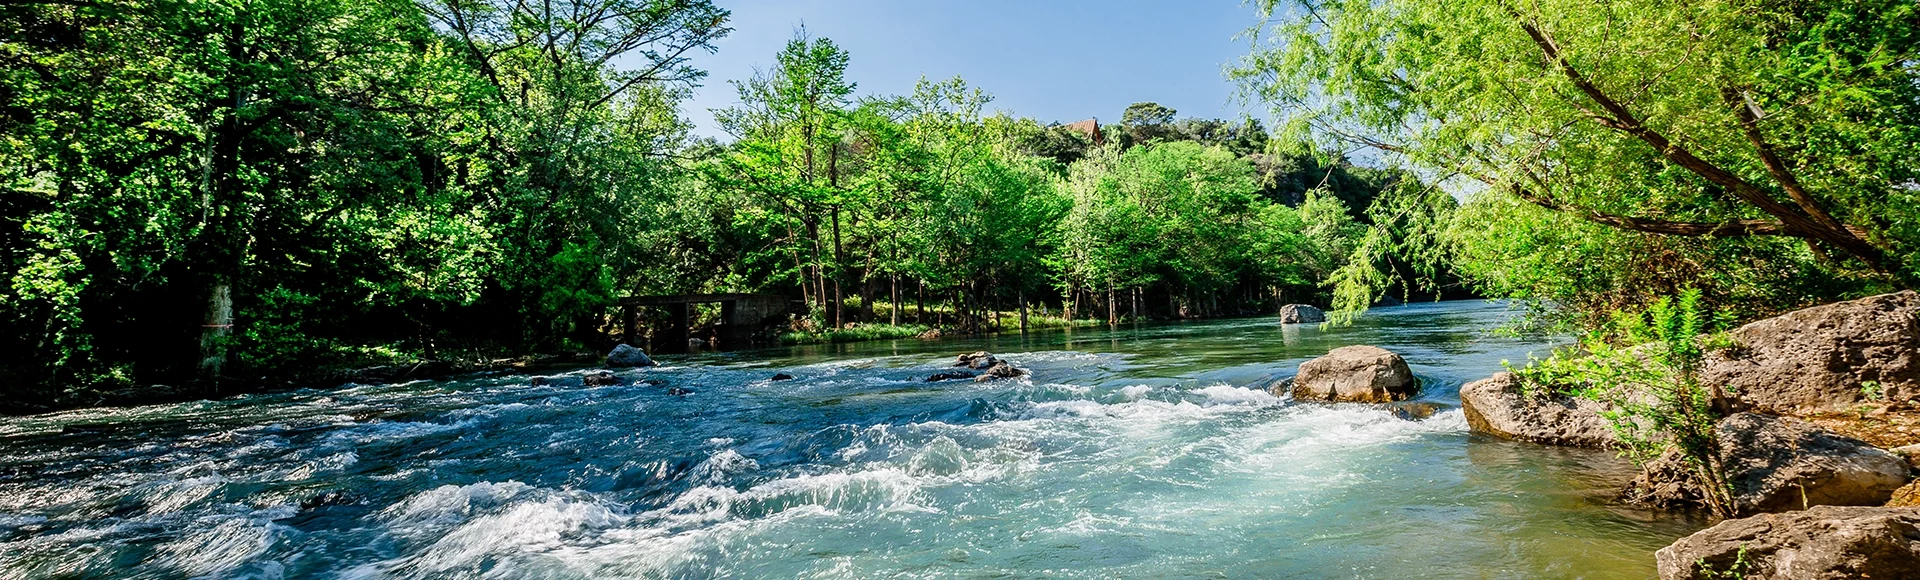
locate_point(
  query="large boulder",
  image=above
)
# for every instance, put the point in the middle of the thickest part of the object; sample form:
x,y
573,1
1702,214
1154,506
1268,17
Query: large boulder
x,y
1355,374
1499,406
1301,314
1777,464
1819,543
1825,358
625,356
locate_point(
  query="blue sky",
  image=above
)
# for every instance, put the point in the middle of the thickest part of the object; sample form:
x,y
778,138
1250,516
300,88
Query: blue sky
x,y
1054,60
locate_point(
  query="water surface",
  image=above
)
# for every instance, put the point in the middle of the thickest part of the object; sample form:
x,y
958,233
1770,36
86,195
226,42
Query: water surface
x,y
1149,451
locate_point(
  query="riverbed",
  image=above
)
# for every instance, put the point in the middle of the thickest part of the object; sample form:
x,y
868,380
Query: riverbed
x,y
1149,451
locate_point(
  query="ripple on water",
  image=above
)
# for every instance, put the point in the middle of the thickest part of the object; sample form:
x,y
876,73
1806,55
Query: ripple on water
x,y
1164,457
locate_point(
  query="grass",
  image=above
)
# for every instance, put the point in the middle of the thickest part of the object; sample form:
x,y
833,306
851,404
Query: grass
x,y
858,332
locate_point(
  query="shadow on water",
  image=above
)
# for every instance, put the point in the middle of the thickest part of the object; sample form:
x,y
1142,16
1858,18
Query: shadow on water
x,y
1141,451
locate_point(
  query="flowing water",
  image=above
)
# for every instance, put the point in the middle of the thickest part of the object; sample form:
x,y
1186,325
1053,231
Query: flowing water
x,y
1149,451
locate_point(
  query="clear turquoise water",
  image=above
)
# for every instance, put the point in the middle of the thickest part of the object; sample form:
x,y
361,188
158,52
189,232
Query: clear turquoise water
x,y
1143,452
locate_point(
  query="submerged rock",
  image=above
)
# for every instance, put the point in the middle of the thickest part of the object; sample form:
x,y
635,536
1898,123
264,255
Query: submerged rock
x,y
1498,406
1825,358
626,356
1777,464
1822,542
678,392
1301,314
1415,410
781,377
599,379
1355,374
950,376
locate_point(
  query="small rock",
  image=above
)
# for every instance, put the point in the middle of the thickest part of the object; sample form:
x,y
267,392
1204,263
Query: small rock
x,y
678,392
324,499
781,377
1910,452
1821,542
977,360
1301,314
1355,374
1001,370
1777,464
599,379
625,356
539,381
950,376
1415,410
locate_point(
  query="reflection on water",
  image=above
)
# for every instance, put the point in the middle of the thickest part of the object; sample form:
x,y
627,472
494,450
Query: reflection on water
x,y
1137,452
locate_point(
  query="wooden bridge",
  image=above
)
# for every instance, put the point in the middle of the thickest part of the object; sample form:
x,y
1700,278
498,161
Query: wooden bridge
x,y
741,315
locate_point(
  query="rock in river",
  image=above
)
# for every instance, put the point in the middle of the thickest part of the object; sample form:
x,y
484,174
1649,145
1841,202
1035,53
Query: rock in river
x,y
599,379
1301,314
1355,374
1499,406
625,356
1776,464
1825,358
1819,543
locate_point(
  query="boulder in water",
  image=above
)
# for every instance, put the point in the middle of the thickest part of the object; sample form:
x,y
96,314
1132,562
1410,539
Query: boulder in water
x,y
1499,406
1355,374
1001,370
977,360
1301,314
626,356
1825,358
599,379
1821,542
950,376
1776,464
781,377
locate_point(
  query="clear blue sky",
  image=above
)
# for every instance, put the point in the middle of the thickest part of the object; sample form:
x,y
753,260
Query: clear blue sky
x,y
1054,60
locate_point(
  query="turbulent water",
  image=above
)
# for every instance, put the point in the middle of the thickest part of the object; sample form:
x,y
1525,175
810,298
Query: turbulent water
x,y
1149,451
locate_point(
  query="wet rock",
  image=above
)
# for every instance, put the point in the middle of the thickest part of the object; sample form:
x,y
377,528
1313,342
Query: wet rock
x,y
950,376
539,381
1415,410
781,377
1001,370
979,360
1301,314
325,499
678,392
1499,406
625,356
1825,358
1818,543
1356,374
599,379
1777,464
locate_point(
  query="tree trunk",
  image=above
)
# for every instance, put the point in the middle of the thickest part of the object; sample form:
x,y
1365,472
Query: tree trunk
x,y
1023,311
1113,316
214,333
894,305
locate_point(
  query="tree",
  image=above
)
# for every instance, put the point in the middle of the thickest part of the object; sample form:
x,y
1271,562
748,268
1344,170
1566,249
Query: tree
x,y
1718,122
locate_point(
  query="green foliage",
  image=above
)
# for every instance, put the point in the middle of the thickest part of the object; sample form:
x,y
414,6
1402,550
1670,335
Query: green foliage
x,y
1645,368
1607,156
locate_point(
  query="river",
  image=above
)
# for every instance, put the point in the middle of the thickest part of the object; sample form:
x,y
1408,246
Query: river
x,y
1144,452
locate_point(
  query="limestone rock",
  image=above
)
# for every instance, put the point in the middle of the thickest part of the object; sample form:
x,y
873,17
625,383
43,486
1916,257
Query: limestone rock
x,y
1362,374
1498,406
1777,464
1819,543
1825,358
625,356
1301,314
